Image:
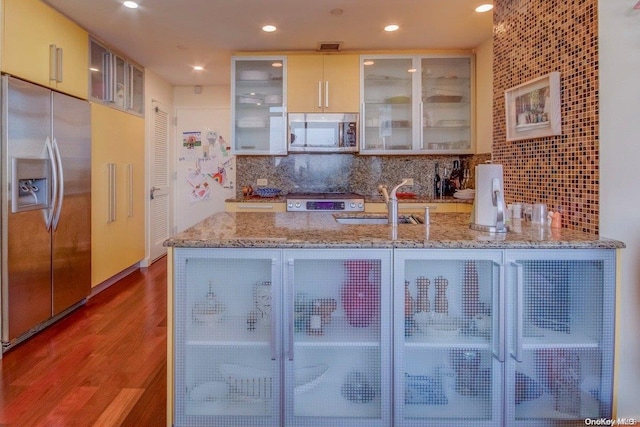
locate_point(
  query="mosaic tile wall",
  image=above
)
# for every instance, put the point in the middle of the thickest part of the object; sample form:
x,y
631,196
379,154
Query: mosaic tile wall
x,y
531,39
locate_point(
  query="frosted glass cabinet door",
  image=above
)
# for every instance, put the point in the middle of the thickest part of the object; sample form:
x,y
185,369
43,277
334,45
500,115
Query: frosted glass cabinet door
x,y
227,360
448,354
446,104
560,351
259,105
337,338
387,104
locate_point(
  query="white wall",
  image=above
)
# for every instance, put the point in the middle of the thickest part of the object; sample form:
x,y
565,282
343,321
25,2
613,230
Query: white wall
x,y
209,109
484,97
619,184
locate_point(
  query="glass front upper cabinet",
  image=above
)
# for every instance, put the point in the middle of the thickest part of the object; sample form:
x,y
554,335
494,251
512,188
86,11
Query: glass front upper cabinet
x,y
416,104
259,109
115,81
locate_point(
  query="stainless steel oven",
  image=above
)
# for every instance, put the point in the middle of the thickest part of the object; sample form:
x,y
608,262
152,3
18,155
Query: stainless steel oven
x,y
325,202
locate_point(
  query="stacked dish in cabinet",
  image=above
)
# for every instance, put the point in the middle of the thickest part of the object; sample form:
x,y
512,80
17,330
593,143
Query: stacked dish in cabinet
x,y
387,107
446,98
259,113
417,104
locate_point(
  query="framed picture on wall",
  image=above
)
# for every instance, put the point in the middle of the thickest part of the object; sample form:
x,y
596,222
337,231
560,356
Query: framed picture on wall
x,y
533,108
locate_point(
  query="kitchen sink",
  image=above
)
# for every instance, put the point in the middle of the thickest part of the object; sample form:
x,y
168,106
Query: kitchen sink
x,y
372,219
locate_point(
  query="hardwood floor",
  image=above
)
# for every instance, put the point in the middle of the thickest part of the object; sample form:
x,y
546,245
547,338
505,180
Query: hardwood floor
x,y
102,365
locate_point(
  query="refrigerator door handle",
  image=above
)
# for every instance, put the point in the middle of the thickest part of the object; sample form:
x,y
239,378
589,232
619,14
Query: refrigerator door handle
x,y
60,187
54,184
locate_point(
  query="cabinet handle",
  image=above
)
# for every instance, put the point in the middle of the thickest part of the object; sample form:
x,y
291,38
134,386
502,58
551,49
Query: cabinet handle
x,y
255,206
59,63
290,298
110,78
111,191
272,340
319,94
53,62
500,352
129,105
517,353
130,186
326,94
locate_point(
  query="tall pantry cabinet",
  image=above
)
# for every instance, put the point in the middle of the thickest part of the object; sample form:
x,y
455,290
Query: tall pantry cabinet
x,y
117,184
42,46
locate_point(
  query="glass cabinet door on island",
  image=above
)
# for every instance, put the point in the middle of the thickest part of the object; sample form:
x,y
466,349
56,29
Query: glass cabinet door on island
x,y
227,367
560,347
337,345
447,338
258,93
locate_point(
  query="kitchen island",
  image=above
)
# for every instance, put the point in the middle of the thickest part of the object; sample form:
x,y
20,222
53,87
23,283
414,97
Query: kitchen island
x,y
321,230
275,312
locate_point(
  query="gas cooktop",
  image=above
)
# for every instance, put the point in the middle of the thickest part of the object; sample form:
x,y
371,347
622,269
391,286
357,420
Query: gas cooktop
x,y
327,202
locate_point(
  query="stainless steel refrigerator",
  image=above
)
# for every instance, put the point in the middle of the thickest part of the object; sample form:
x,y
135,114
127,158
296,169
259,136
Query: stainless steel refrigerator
x,y
46,207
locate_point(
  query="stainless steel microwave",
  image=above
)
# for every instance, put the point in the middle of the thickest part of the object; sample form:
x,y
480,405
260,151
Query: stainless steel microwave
x,y
320,132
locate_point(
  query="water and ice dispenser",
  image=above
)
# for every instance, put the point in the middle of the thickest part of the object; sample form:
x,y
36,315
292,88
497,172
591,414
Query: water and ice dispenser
x,y
30,180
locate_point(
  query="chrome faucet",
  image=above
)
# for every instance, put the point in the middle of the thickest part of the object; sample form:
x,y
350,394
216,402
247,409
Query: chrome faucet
x,y
392,201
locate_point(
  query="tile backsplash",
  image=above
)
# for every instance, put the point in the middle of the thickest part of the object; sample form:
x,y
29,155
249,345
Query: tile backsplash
x,y
532,38
345,172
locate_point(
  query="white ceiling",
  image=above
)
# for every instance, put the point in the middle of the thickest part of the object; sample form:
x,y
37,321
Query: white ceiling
x,y
171,36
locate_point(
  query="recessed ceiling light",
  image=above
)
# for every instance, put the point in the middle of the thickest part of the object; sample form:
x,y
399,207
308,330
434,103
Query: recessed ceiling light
x,y
198,67
336,12
277,64
94,69
130,4
269,28
368,62
484,8
411,70
392,27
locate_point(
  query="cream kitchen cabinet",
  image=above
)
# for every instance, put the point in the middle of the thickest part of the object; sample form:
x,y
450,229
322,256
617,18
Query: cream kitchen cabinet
x,y
323,83
117,183
406,207
43,46
249,206
417,104
259,110
115,80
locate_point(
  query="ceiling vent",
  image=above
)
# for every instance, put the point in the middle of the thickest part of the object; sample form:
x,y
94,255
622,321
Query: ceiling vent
x,y
329,46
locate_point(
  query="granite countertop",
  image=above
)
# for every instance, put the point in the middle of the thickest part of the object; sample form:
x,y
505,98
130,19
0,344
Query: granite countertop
x,y
367,199
320,230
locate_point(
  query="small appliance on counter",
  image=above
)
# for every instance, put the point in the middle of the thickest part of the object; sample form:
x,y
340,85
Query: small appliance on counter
x,y
488,213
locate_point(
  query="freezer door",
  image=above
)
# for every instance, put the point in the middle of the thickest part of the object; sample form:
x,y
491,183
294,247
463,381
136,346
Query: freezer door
x,y
26,246
72,216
